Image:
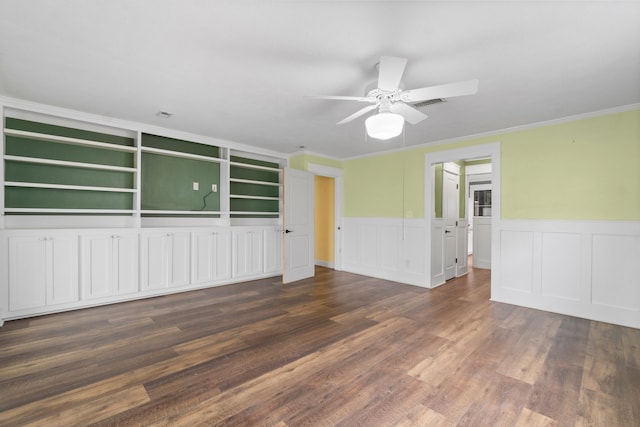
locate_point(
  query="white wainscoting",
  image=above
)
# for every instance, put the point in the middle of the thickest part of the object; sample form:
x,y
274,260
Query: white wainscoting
x,y
388,248
588,269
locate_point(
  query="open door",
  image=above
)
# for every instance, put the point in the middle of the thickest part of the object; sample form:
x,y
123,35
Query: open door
x,y
298,231
450,214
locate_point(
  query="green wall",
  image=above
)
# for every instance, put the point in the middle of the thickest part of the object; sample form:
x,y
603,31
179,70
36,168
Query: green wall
x,y
167,182
587,169
20,197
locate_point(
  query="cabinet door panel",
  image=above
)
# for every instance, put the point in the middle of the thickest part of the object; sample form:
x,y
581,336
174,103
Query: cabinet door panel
x,y
203,266
126,264
272,251
222,252
64,284
154,261
97,270
27,272
256,242
180,267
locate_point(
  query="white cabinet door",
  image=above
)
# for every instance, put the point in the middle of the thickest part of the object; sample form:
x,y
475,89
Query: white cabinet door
x,y
210,256
43,270
110,264
165,260
97,260
125,264
273,251
179,256
248,248
27,272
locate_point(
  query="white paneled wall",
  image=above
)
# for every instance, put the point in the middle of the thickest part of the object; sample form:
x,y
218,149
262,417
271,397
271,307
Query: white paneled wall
x,y
388,248
588,269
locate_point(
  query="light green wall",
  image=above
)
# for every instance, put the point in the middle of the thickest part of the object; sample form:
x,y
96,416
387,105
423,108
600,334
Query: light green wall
x,y
587,169
301,161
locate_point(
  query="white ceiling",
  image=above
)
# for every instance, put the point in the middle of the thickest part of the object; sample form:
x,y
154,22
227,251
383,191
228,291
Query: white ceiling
x,y
240,70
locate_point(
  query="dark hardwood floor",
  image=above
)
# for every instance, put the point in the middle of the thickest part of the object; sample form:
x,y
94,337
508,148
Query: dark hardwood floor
x,y
339,349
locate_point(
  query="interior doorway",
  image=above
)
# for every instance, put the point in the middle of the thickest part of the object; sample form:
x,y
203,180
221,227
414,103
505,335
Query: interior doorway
x,y
329,228
324,221
435,229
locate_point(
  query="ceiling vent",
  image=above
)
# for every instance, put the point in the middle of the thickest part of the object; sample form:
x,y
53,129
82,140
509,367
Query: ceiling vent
x,y
428,102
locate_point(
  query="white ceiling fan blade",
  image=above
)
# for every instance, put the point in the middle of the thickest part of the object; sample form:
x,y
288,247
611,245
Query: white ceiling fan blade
x,y
344,98
390,71
467,87
357,114
410,114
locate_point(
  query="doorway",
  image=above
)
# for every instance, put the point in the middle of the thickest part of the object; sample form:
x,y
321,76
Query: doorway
x,y
324,221
434,227
329,231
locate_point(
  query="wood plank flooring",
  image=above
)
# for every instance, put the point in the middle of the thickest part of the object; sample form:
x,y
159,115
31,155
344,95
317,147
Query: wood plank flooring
x,y
339,349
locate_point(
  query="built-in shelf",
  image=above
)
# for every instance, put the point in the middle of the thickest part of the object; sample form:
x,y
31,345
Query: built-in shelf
x,y
68,187
242,196
69,211
41,161
253,213
166,212
251,181
67,140
182,155
52,167
250,166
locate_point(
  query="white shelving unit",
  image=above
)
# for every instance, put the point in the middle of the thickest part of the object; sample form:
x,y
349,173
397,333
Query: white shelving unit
x,y
71,164
235,190
258,182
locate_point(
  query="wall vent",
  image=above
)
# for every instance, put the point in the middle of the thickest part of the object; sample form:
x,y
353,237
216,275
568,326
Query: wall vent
x,y
428,102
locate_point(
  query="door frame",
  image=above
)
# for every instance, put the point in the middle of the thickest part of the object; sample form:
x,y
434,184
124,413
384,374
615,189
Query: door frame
x,y
336,174
490,150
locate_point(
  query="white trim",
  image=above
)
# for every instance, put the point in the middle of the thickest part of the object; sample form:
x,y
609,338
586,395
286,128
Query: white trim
x,y
491,150
336,174
484,168
181,154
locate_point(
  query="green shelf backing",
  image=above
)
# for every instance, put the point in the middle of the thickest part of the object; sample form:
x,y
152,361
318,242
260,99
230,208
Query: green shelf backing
x,y
167,183
249,205
54,174
25,147
246,189
30,126
20,197
164,143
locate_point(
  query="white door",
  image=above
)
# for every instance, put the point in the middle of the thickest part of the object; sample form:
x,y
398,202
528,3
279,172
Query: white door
x,y
298,230
450,215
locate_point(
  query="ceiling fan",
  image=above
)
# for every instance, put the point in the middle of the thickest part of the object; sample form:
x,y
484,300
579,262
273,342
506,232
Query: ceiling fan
x,y
394,103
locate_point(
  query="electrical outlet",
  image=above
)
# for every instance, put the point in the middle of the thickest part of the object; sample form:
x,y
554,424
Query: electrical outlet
x,y
196,186
214,187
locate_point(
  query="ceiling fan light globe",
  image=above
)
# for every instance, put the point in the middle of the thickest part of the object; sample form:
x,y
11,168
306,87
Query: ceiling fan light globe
x,y
384,125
